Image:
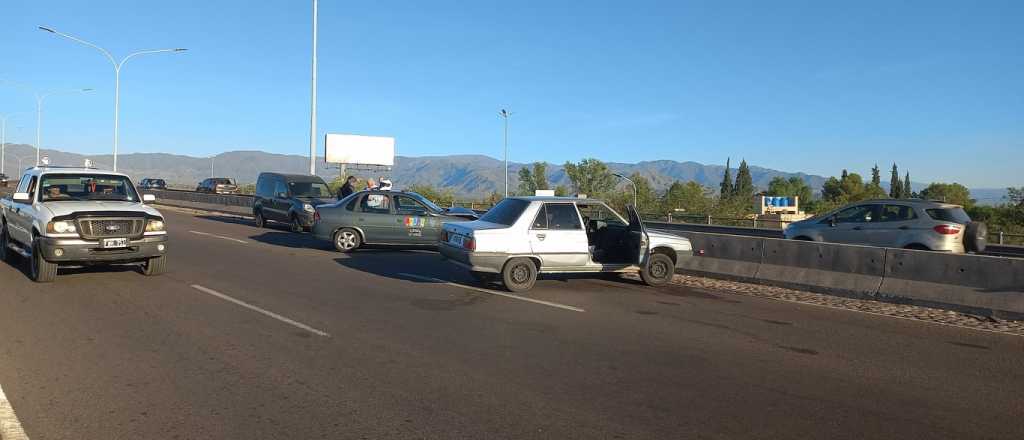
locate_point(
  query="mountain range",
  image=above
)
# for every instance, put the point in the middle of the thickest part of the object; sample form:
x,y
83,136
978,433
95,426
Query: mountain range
x,y
468,176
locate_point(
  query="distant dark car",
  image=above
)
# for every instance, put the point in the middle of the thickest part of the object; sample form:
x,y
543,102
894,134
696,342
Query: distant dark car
x,y
3,180
218,185
384,217
289,198
152,184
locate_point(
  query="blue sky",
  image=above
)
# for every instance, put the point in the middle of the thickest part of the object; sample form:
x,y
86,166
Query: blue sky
x,y
810,86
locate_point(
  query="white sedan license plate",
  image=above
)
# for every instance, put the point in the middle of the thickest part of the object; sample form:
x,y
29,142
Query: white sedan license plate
x,y
455,239
113,243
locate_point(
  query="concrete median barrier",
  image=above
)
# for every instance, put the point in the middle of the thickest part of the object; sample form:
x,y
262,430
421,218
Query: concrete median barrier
x,y
970,282
728,256
823,267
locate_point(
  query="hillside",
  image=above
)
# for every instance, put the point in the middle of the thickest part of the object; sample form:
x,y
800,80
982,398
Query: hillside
x,y
469,176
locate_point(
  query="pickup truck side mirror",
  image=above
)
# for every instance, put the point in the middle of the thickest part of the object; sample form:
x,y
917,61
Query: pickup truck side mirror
x,y
148,198
21,197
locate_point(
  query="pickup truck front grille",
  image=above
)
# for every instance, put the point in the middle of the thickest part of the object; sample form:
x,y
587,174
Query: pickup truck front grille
x,y
94,228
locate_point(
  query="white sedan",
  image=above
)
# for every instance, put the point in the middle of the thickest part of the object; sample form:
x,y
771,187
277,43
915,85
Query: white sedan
x,y
522,237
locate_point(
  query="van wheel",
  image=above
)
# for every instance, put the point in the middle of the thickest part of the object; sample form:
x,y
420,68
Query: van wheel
x,y
40,270
296,224
519,274
260,221
347,240
659,270
155,266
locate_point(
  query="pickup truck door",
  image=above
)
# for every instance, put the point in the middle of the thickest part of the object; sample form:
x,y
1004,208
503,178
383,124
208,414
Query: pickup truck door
x,y
557,236
20,215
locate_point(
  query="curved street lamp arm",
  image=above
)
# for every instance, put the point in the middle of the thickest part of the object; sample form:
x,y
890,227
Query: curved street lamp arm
x,y
79,40
147,51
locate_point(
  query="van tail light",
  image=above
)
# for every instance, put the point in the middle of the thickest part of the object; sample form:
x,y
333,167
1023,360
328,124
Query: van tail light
x,y
316,216
469,243
947,229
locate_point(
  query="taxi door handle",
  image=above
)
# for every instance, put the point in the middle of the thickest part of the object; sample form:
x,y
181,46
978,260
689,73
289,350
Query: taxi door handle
x,y
541,237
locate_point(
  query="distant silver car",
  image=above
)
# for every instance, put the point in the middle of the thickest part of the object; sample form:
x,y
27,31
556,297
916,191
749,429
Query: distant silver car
x,y
907,223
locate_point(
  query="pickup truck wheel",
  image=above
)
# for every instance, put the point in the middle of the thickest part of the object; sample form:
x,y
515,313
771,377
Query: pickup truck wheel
x,y
5,252
260,221
347,240
155,266
659,270
519,274
40,270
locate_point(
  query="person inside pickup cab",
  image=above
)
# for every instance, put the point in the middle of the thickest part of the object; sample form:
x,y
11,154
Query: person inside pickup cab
x,y
54,193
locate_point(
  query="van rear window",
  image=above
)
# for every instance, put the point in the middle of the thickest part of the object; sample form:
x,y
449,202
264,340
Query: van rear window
x,y
954,215
506,212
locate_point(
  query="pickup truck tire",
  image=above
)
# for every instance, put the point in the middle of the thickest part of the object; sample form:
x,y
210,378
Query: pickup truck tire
x,y
659,270
5,252
40,270
155,266
519,274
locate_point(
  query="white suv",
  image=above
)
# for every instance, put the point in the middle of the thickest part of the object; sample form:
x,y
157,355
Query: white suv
x,y
523,236
80,216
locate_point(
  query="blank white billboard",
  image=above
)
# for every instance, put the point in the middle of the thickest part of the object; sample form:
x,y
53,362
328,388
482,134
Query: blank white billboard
x,y
354,149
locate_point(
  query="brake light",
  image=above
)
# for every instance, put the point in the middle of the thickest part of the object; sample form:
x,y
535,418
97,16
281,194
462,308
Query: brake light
x,y
947,229
444,236
469,243
316,216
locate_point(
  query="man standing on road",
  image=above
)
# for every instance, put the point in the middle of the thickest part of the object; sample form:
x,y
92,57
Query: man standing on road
x,y
348,188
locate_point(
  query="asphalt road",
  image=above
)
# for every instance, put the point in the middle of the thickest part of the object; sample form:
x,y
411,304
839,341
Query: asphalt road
x,y
266,334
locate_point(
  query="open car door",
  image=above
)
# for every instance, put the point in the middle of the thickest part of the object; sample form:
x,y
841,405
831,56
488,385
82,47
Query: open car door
x,y
638,236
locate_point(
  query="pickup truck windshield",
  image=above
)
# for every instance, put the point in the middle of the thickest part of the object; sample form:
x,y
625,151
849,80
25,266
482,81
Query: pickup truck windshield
x,y
78,187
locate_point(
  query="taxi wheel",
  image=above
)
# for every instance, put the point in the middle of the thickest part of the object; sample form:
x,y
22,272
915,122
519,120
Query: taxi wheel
x,y
519,274
347,240
659,270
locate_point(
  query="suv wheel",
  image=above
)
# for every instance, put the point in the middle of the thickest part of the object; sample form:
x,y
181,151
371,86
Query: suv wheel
x,y
40,270
519,274
260,221
296,224
659,270
347,240
155,266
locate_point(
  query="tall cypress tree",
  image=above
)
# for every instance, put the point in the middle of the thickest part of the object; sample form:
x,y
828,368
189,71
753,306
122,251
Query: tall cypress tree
x,y
907,190
876,176
744,187
725,190
895,186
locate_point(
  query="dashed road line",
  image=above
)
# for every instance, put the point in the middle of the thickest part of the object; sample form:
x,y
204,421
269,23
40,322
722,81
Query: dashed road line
x,y
492,292
258,310
222,237
10,427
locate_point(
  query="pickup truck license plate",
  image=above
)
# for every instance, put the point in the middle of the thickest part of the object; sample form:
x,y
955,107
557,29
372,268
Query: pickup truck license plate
x,y
114,243
455,239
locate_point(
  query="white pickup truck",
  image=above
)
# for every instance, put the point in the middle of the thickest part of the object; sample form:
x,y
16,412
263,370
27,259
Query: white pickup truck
x,y
78,217
523,236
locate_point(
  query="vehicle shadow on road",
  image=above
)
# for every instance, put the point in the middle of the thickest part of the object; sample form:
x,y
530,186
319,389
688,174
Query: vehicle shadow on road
x,y
234,220
291,240
426,267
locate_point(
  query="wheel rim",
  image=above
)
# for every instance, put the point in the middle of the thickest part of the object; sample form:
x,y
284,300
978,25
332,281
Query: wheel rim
x,y
520,274
659,270
346,240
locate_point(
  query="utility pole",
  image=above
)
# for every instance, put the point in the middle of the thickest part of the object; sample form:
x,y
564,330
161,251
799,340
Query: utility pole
x,y
505,114
312,112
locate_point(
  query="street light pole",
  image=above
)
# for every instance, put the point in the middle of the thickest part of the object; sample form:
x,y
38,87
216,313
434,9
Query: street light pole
x,y
504,115
634,189
40,98
312,111
117,74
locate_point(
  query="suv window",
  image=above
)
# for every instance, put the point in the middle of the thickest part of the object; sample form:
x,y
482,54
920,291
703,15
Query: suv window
x,y
896,213
409,206
557,216
857,214
280,188
954,215
376,204
506,212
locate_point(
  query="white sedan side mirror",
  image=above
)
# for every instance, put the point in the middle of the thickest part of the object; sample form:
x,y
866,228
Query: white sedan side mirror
x,y
21,197
148,198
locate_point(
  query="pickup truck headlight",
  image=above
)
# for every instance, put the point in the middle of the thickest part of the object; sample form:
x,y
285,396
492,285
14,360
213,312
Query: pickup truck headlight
x,y
154,226
61,227
308,208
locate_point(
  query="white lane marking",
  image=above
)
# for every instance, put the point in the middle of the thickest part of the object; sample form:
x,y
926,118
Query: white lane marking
x,y
492,292
259,310
10,427
219,236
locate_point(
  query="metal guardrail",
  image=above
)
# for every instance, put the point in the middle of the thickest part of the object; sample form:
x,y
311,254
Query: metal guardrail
x,y
214,199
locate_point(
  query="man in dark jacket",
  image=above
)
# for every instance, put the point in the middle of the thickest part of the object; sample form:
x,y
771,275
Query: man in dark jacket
x,y
348,188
